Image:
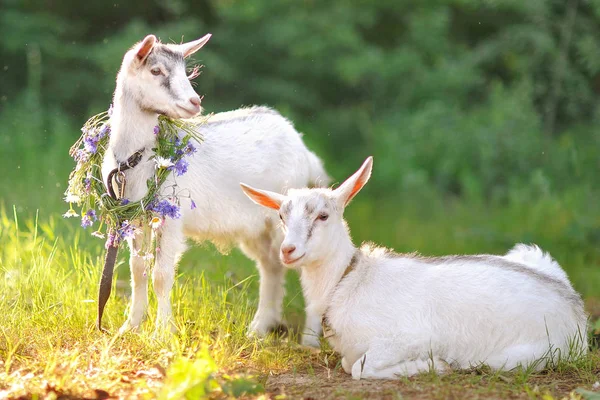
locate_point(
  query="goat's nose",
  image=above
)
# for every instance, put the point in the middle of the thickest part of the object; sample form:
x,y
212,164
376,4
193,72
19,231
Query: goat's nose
x,y
288,249
195,101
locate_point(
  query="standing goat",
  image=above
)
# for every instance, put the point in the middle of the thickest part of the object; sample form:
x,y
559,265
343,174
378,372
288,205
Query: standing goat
x,y
254,144
390,314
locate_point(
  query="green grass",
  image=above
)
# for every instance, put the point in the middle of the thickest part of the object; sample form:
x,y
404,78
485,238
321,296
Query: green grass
x,y
47,311
49,270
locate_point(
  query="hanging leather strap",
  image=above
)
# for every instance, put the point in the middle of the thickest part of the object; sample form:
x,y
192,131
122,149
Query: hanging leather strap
x,y
106,281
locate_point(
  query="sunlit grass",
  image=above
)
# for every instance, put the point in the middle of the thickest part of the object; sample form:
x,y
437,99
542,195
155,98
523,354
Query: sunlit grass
x,y
47,309
49,270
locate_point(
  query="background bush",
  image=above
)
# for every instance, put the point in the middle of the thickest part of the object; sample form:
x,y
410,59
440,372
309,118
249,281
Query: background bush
x,y
488,106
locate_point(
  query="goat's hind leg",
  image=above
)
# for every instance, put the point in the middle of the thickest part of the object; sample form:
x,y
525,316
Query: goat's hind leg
x,y
386,361
534,355
406,368
265,251
363,368
139,283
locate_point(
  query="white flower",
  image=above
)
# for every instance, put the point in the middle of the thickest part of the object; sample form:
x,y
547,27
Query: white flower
x,y
70,213
156,223
72,198
98,234
163,163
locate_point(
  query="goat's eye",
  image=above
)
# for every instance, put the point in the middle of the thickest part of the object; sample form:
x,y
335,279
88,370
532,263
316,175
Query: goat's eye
x,y
280,217
323,217
155,71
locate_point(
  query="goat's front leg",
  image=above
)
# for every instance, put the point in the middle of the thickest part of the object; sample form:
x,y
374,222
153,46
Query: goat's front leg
x,y
170,246
265,251
139,284
313,327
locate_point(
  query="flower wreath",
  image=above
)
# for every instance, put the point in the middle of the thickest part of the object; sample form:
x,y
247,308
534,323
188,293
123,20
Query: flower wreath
x,y
116,216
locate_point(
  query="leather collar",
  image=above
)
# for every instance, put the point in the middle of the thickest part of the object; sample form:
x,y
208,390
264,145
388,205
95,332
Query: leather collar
x,y
131,162
327,329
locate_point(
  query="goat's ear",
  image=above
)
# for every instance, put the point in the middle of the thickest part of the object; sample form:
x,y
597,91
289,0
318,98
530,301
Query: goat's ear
x,y
145,47
263,197
191,47
352,185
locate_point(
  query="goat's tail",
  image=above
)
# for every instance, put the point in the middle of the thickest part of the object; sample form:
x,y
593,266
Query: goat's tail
x,y
535,258
317,175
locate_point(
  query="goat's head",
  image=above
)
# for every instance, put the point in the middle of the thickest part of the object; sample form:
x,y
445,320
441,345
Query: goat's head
x,y
312,218
154,76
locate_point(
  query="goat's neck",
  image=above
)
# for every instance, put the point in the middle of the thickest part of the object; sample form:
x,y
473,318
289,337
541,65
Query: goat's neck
x,y
319,281
131,127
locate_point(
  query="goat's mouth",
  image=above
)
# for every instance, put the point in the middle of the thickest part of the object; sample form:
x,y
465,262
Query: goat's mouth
x,y
287,261
188,112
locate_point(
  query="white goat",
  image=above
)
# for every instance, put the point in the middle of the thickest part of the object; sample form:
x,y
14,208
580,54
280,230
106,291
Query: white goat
x,y
390,314
254,144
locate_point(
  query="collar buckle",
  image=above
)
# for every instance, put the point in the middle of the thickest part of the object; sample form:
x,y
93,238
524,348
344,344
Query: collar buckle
x,y
119,174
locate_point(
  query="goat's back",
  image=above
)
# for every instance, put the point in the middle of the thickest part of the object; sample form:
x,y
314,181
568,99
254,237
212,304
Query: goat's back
x,y
256,146
466,309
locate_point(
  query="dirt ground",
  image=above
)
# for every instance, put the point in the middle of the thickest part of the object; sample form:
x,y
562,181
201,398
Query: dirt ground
x,y
331,384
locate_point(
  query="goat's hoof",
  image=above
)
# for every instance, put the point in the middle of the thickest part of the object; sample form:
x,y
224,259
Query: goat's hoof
x,y
309,349
257,330
358,368
128,327
252,334
162,335
261,329
165,331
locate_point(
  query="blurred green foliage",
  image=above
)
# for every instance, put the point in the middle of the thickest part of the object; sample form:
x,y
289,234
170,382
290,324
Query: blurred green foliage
x,y
481,103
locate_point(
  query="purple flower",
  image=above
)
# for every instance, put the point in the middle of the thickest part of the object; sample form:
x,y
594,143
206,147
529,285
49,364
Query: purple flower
x,y
86,221
81,155
180,167
190,148
156,130
126,230
104,130
174,212
124,201
89,218
91,144
167,209
88,184
192,205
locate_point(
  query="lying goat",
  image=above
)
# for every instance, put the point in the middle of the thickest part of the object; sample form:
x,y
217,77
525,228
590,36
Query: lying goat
x,y
390,314
255,144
